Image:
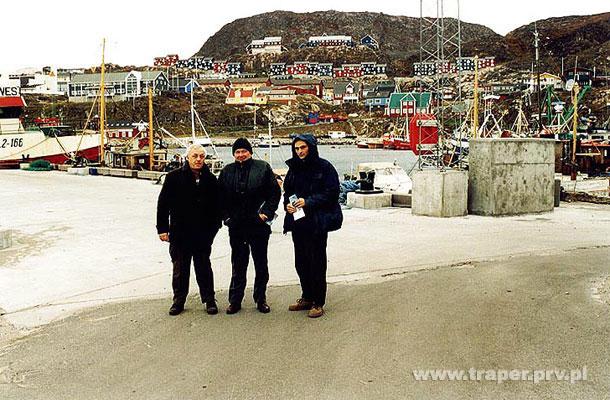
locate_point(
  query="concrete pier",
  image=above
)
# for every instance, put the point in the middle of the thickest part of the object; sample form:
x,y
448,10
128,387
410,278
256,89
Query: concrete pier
x,y
440,193
369,201
511,176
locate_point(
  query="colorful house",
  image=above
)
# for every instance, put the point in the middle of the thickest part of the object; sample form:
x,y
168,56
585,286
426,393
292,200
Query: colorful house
x,y
408,104
369,42
346,92
245,96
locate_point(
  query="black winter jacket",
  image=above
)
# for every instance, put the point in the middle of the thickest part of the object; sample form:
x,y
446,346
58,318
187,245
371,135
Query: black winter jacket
x,y
189,212
315,180
261,194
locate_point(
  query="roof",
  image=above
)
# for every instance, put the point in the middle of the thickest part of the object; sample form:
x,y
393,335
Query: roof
x,y
378,94
300,87
213,81
249,80
280,92
150,75
242,93
334,37
15,101
339,87
295,82
108,77
186,81
114,76
422,99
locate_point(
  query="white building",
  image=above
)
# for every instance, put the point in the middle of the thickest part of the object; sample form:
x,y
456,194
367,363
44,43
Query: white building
x,y
32,81
268,45
330,41
546,79
118,85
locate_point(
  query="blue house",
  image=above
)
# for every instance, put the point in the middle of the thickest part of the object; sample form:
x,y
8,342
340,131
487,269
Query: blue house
x,y
370,42
377,99
184,85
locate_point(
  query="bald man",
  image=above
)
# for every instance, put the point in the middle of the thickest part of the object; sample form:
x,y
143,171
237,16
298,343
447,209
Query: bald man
x,y
188,217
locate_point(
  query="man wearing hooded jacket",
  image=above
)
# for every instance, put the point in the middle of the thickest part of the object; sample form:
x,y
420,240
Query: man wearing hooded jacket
x,y
250,197
315,183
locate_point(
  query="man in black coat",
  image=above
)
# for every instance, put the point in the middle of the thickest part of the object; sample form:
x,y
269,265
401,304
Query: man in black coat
x,y
314,182
250,197
188,217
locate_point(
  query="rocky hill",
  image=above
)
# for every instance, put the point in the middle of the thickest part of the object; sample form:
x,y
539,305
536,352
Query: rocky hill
x,y
587,37
398,37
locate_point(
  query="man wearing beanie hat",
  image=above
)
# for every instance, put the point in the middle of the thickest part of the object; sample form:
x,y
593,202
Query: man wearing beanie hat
x,y
250,197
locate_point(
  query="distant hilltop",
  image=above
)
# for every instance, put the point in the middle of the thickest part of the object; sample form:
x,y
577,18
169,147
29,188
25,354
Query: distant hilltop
x,y
397,40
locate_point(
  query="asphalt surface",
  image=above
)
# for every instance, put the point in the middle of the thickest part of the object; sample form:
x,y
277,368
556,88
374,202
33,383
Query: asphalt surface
x,y
535,312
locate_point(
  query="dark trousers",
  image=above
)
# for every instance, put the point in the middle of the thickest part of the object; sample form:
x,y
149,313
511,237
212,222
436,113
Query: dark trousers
x,y
242,241
181,259
310,262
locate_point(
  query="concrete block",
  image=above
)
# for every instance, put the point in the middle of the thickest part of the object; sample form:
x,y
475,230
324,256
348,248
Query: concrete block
x,y
151,175
78,171
24,166
6,239
369,201
401,200
511,176
440,193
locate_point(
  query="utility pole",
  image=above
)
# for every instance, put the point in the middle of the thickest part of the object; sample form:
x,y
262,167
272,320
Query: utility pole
x,y
151,145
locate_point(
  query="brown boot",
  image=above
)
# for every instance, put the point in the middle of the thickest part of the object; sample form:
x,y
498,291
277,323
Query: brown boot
x,y
300,305
315,311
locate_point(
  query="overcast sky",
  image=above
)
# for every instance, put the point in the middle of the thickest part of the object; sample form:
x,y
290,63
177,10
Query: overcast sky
x,y
64,33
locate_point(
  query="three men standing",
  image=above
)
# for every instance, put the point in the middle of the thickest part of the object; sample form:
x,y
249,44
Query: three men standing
x,y
250,197
188,217
246,196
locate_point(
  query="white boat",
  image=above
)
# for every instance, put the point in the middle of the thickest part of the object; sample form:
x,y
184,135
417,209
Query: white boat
x,y
266,140
56,144
389,177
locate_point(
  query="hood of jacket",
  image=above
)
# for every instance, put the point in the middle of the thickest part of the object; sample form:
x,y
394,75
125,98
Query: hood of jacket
x,y
313,155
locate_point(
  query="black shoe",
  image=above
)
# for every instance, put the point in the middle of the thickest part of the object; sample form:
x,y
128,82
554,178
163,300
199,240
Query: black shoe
x,y
211,307
176,309
263,307
233,308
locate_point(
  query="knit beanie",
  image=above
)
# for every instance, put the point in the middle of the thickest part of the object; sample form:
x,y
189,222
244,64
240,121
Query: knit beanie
x,y
242,143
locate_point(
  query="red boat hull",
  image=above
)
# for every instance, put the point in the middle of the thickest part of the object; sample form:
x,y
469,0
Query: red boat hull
x,y
92,154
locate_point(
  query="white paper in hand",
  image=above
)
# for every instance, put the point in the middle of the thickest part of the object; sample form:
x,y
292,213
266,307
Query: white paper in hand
x,y
299,213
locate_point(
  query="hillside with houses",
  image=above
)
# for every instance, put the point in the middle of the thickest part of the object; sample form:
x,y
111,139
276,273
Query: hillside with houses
x,y
304,69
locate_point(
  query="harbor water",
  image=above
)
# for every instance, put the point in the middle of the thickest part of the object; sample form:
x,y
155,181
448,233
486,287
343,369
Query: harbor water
x,y
345,158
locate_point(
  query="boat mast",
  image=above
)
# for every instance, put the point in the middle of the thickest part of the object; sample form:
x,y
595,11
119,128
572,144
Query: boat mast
x,y
102,105
192,112
576,89
538,97
151,149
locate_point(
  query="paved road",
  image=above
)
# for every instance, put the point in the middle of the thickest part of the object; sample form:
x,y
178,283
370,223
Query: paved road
x,y
529,312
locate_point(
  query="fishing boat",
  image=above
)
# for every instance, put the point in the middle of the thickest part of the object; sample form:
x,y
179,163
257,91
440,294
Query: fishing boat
x,y
375,143
264,140
52,142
